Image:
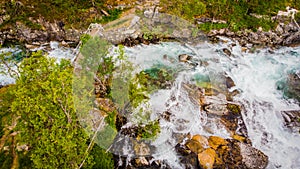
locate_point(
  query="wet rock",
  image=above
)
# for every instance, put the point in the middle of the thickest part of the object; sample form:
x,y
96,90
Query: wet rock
x,y
226,51
141,161
215,142
216,109
229,156
293,86
194,146
120,121
235,123
201,139
229,82
166,115
186,156
252,157
207,158
184,58
293,39
141,149
292,120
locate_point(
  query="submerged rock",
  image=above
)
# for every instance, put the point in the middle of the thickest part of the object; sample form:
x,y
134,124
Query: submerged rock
x,y
293,86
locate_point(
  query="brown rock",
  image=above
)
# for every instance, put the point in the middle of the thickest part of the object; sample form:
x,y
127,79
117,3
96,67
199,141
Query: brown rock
x,y
105,104
194,146
227,51
207,158
252,157
184,58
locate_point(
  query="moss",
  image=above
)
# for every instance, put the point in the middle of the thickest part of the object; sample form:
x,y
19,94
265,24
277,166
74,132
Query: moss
x,y
210,26
6,160
102,158
149,131
24,160
84,38
233,108
111,119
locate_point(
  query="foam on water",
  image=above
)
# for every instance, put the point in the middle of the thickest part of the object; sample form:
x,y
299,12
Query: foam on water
x,y
55,51
255,74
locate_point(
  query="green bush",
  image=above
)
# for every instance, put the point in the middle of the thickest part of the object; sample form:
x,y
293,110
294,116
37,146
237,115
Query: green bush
x,y
102,159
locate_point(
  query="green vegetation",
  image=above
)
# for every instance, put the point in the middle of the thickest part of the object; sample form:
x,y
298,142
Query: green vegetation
x,y
113,15
236,13
233,108
148,131
71,13
149,81
102,159
186,9
39,108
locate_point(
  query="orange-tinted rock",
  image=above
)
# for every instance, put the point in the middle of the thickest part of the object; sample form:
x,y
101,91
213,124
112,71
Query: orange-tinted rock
x,y
195,146
215,141
201,139
207,158
238,137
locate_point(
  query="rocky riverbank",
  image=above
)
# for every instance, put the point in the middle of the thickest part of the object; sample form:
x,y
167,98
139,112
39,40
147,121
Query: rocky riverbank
x,y
151,27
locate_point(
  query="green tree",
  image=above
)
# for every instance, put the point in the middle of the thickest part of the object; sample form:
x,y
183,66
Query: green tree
x,y
48,123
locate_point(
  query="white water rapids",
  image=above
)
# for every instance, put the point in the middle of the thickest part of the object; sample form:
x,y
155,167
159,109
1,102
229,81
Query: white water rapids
x,y
256,76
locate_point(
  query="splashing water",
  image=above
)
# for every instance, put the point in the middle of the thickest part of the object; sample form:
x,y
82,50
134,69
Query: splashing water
x,y
255,75
55,51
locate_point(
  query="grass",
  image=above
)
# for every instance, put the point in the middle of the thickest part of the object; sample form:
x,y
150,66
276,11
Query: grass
x,y
72,13
236,13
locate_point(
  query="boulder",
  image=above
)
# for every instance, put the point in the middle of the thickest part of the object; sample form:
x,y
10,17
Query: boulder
x,y
194,146
207,158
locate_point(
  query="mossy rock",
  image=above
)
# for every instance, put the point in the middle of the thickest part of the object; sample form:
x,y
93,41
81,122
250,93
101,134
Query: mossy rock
x,y
234,108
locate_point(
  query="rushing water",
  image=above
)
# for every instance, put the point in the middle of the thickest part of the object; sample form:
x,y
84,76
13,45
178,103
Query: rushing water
x,y
256,76
53,50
